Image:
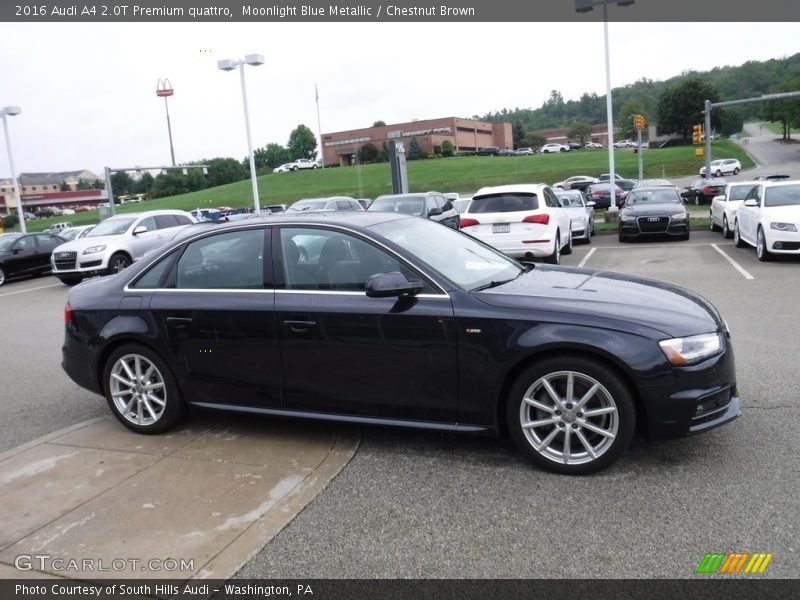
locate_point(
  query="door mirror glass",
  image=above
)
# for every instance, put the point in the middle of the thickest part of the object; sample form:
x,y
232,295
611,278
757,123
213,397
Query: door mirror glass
x,y
751,202
393,283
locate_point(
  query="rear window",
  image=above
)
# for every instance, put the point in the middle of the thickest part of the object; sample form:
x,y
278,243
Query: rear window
x,y
503,203
738,192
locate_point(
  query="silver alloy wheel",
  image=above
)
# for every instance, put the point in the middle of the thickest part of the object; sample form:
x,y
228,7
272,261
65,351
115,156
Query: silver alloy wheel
x,y
119,263
726,231
569,418
137,389
2,276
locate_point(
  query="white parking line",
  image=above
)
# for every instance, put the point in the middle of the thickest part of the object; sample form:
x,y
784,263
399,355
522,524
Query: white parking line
x,y
41,287
734,264
585,258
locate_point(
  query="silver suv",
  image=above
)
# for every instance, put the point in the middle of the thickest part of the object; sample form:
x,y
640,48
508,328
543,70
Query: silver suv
x,y
115,243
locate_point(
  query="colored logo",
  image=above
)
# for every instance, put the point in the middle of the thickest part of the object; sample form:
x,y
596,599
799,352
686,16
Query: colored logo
x,y
734,563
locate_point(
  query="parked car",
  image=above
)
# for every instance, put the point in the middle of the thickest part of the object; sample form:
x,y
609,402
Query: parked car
x,y
581,214
548,148
576,182
647,183
607,177
453,334
574,146
116,243
523,221
600,194
431,205
334,203
506,152
625,144
461,204
277,208
284,168
488,151
24,254
703,190
769,219
74,233
303,163
58,227
626,185
725,206
775,177
723,166
364,202
593,145
653,211
526,151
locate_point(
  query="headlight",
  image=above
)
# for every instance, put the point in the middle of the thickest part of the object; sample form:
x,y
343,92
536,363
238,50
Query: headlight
x,y
783,226
690,350
627,218
678,217
94,249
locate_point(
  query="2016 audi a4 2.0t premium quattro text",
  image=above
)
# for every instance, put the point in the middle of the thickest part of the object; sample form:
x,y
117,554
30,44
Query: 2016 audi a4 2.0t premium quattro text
x,y
393,319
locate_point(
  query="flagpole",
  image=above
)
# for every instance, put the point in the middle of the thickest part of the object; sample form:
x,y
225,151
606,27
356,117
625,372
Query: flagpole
x,y
319,128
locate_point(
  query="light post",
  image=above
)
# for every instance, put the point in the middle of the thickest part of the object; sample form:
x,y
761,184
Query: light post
x,y
230,65
583,6
164,90
12,111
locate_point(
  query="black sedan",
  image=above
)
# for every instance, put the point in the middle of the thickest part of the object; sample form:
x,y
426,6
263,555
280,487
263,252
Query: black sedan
x,y
600,194
399,321
703,190
653,211
26,254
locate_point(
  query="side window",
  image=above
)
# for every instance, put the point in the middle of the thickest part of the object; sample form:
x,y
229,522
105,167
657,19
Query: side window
x,y
342,205
166,221
321,259
183,220
231,260
46,240
430,204
153,276
149,223
26,242
442,203
550,198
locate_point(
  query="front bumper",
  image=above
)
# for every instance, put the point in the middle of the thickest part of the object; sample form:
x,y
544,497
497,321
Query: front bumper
x,y
783,242
664,226
73,264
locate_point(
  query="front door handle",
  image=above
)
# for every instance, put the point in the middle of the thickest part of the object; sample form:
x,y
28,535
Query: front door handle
x,y
179,322
299,326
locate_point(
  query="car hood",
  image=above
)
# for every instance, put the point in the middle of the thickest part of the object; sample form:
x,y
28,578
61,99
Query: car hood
x,y
790,214
576,211
659,208
87,242
616,298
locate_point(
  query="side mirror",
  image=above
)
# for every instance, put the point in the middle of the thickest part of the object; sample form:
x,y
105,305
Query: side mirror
x,y
751,202
591,203
435,212
139,229
393,283
16,250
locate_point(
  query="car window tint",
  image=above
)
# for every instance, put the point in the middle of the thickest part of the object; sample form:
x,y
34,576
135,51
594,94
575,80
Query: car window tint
x,y
739,192
500,203
149,223
183,220
430,204
153,276
441,202
788,195
321,259
25,242
166,221
231,260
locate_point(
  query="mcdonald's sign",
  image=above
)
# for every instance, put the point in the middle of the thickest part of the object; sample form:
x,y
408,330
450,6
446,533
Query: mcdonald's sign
x,y
734,563
164,88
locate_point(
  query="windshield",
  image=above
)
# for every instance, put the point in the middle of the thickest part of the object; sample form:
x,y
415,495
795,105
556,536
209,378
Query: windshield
x,y
653,197
786,195
467,262
111,227
408,205
306,205
6,241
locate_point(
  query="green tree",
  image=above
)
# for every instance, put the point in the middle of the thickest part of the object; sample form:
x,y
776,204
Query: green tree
x,y
379,124
302,143
171,183
122,183
98,185
225,170
83,185
196,180
786,112
580,130
271,155
414,150
534,139
681,106
144,185
517,134
64,186
623,124
367,153
447,148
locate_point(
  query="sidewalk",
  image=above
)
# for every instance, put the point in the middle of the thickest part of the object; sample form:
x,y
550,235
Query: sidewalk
x,y
197,502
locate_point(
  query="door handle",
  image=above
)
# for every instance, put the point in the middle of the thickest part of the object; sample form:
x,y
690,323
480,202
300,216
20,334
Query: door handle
x,y
179,322
299,326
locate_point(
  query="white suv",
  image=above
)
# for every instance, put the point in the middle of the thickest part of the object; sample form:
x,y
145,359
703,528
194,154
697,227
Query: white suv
x,y
115,243
303,163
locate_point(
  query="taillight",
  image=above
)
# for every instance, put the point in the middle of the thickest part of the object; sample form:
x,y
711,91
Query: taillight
x,y
596,195
620,192
468,222
67,314
708,190
541,219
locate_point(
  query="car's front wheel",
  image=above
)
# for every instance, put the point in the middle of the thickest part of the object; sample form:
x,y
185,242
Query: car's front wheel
x,y
726,230
570,415
2,276
736,171
118,262
761,246
141,390
555,257
718,173
737,238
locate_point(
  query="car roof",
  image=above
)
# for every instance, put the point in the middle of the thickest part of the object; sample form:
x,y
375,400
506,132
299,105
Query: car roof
x,y
772,184
149,213
520,188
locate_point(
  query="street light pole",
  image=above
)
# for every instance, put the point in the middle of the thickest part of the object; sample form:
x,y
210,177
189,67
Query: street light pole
x,y
230,65
164,89
11,111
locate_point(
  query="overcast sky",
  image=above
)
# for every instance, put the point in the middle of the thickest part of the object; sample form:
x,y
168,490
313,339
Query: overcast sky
x,y
87,91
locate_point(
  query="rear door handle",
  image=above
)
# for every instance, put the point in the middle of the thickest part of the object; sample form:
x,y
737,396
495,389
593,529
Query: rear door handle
x,y
299,326
179,322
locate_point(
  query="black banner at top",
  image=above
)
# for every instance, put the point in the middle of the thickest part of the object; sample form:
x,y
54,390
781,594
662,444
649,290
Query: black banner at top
x,y
563,11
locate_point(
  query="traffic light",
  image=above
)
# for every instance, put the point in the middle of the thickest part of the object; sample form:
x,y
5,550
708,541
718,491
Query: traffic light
x,y
639,121
697,134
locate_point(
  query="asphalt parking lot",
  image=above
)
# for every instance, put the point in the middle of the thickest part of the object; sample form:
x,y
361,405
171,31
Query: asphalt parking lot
x,y
420,504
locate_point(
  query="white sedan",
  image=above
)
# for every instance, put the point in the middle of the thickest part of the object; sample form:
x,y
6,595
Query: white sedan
x,y
769,219
547,148
722,167
524,221
577,182
284,168
725,206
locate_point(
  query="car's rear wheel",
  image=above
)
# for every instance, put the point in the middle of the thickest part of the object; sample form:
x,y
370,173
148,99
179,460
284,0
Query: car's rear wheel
x,y
118,262
736,171
761,246
315,167
713,226
737,238
295,168
555,257
726,230
718,173
141,390
570,415
2,276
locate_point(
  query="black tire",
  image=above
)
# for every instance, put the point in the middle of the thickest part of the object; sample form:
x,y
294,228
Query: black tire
x,y
568,427
295,168
70,280
2,276
567,250
718,173
135,416
737,239
762,253
555,257
726,230
315,167
736,171
622,238
119,261
686,235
